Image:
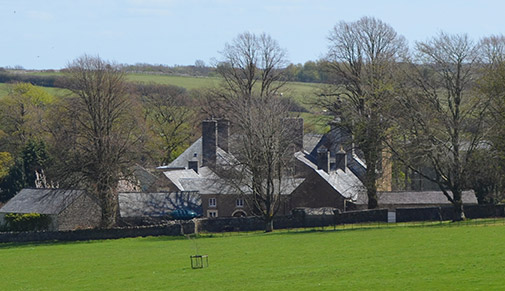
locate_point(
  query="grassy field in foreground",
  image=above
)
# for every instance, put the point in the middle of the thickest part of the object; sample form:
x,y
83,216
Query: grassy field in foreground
x,y
423,258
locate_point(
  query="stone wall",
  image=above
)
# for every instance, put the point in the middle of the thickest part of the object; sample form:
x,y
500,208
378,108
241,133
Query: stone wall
x,y
94,234
361,216
84,212
422,214
447,213
484,211
299,219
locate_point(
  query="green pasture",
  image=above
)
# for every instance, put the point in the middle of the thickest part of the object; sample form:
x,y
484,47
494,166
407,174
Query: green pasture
x,y
5,88
441,257
301,92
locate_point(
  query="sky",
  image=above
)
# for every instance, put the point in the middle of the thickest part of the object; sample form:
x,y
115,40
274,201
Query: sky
x,y
48,34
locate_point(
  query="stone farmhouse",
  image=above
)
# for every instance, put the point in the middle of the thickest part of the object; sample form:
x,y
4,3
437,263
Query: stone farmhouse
x,y
325,174
68,209
328,173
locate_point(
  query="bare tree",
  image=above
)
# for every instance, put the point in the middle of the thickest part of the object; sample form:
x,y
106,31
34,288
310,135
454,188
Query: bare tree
x,y
263,138
94,132
265,143
252,63
363,56
169,118
488,179
442,115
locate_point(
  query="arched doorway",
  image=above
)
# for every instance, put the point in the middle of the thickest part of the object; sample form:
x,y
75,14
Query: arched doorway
x,y
239,213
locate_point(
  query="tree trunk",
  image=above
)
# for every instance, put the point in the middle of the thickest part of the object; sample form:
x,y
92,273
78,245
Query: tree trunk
x,y
371,186
373,202
372,151
459,213
109,209
269,225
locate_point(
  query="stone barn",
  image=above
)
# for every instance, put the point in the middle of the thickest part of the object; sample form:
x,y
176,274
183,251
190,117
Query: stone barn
x,y
67,209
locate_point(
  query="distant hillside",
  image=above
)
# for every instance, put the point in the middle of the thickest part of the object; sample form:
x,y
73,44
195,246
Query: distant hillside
x,y
300,92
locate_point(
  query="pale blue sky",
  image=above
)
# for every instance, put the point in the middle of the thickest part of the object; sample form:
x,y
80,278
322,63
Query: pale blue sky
x,y
47,34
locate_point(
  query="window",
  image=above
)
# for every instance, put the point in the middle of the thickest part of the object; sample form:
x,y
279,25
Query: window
x,y
212,202
212,213
240,202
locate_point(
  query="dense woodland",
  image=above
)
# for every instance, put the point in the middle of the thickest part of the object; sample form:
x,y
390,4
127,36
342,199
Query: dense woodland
x,y
434,110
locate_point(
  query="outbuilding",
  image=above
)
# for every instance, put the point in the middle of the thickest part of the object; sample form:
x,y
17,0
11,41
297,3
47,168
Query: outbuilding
x,y
67,209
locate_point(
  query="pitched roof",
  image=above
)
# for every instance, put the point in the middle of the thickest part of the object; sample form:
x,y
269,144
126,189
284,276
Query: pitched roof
x,y
137,204
207,186
417,197
176,175
310,141
182,160
43,201
344,182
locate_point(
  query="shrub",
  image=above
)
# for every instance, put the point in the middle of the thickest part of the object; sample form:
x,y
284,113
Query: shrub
x,y
27,222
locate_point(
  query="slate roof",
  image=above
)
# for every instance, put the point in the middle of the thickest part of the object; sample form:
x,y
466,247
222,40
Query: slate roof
x,y
310,141
182,160
136,204
176,175
344,182
145,178
205,181
43,201
218,186
417,197
208,186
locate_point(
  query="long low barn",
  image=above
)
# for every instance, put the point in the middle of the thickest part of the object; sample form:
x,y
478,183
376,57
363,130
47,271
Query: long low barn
x,y
67,209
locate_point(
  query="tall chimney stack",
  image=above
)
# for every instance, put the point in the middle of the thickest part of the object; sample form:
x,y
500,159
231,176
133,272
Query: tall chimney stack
x,y
209,143
323,159
223,133
341,159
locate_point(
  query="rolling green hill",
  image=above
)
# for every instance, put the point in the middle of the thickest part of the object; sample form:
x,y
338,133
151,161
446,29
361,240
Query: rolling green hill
x,y
301,92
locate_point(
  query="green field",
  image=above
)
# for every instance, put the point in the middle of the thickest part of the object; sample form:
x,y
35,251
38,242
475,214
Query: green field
x,y
420,258
300,92
4,90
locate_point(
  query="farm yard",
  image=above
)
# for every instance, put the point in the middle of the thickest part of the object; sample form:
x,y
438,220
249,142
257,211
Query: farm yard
x,y
438,257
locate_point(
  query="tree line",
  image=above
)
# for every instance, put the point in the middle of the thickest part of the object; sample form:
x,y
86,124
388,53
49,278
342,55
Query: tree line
x,y
436,109
309,72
